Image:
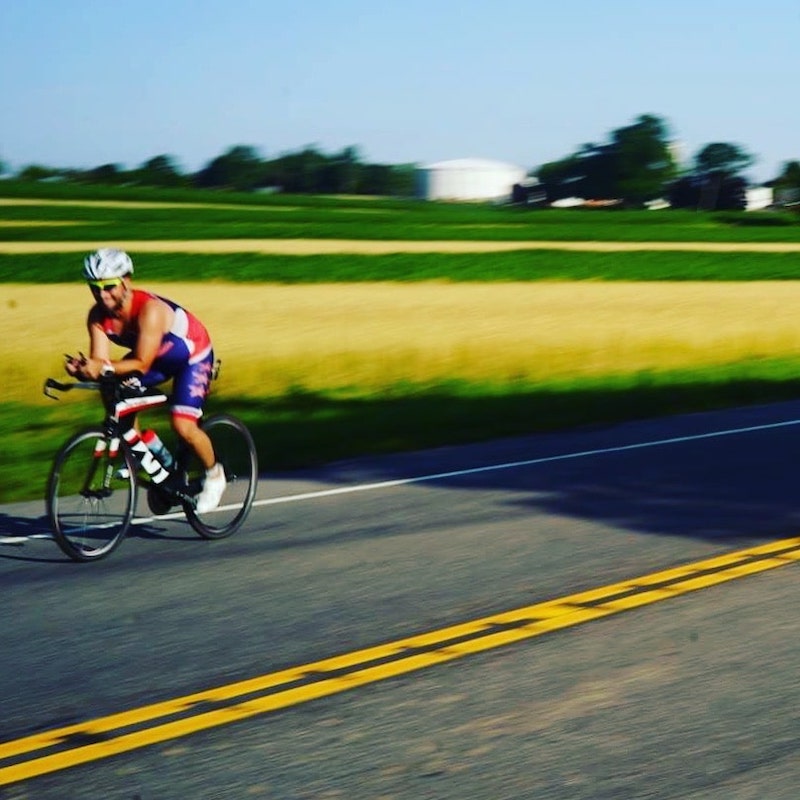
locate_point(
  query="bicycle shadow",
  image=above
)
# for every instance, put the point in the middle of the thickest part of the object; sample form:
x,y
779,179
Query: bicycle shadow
x,y
12,526
155,531
16,531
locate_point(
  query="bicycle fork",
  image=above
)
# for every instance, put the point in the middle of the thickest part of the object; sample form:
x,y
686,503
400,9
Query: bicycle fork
x,y
105,490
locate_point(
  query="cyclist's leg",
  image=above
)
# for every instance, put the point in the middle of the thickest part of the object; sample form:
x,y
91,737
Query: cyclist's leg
x,y
188,429
190,389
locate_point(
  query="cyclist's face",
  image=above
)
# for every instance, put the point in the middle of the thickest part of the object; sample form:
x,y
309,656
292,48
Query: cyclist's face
x,y
110,294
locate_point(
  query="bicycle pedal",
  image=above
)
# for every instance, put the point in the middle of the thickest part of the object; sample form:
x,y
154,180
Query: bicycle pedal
x,y
159,501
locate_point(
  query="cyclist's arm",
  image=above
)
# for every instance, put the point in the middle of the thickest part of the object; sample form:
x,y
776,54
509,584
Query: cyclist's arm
x,y
99,346
99,352
153,322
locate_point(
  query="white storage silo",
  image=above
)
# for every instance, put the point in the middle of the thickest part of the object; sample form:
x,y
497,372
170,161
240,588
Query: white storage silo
x,y
468,179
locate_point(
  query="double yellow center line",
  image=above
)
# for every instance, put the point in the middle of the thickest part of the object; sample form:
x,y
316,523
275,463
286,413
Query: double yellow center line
x,y
100,738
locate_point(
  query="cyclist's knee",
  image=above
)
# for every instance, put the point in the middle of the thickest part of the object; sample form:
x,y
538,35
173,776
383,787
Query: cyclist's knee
x,y
185,427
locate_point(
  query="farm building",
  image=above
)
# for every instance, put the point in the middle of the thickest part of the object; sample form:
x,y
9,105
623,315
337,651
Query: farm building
x,y
468,179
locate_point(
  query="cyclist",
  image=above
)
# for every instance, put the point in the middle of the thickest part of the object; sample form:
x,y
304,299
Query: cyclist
x,y
165,341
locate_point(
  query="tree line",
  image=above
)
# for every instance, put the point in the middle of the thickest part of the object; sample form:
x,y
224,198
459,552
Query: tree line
x,y
242,169
636,165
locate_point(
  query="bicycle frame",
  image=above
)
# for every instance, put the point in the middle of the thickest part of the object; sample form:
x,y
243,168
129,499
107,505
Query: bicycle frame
x,y
118,422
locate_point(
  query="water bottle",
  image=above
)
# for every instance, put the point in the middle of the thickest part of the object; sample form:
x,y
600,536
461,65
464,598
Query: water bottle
x,y
141,452
158,448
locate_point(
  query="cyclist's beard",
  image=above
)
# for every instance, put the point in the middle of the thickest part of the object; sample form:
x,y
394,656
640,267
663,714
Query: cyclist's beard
x,y
117,307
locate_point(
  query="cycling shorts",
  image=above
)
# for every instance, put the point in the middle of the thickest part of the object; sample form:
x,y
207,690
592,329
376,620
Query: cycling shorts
x,y
191,379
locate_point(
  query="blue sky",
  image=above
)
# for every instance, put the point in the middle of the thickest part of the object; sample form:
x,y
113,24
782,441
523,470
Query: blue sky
x,y
88,82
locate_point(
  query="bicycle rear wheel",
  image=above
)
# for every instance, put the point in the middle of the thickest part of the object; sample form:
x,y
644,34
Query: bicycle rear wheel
x,y
91,496
235,450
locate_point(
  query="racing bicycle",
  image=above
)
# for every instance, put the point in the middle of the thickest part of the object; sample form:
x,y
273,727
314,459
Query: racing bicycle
x,y
96,475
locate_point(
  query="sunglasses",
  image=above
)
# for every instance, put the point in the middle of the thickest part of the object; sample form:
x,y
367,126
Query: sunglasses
x,y
104,286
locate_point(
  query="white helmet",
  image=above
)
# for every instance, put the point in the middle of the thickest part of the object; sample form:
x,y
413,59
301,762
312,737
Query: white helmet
x,y
107,263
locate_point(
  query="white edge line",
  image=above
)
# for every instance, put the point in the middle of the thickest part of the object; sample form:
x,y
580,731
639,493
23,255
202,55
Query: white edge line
x,y
366,487
516,464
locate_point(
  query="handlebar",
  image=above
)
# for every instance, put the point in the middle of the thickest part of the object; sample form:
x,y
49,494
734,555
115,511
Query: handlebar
x,y
111,380
60,386
112,388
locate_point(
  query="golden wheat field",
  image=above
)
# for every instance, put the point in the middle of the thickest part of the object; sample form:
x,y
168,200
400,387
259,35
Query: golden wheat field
x,y
370,336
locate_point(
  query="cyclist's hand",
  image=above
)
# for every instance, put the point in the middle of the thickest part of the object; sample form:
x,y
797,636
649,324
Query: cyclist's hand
x,y
91,368
74,365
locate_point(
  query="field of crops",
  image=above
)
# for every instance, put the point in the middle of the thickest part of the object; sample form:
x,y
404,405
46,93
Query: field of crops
x,y
329,356
149,215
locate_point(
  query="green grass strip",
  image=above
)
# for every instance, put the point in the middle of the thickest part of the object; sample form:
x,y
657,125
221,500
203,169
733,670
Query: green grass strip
x,y
228,216
534,265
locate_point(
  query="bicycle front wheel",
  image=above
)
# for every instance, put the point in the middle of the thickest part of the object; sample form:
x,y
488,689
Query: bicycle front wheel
x,y
91,496
235,450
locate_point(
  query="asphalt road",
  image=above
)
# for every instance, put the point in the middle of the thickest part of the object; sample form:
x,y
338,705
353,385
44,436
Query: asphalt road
x,y
693,696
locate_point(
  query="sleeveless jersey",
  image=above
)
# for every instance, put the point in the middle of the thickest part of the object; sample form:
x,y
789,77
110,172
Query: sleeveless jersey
x,y
185,355
186,342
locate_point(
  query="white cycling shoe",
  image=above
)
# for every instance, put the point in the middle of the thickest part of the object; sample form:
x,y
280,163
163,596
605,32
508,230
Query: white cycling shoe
x,y
213,488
